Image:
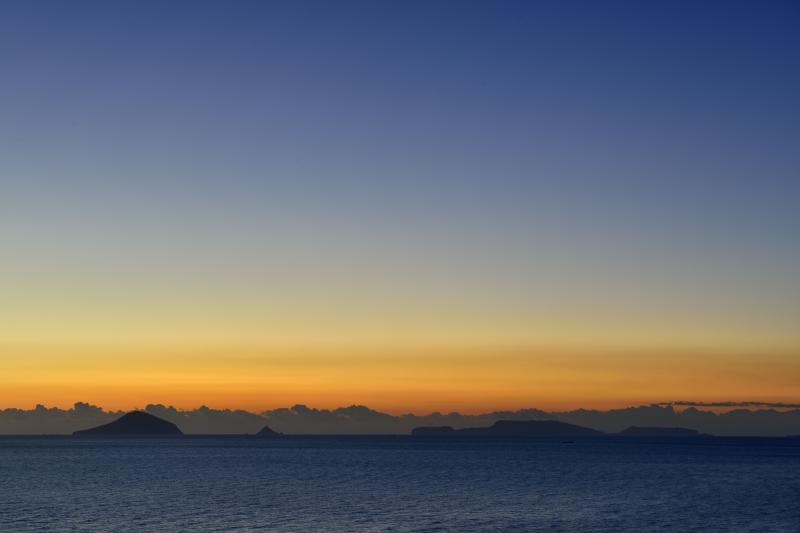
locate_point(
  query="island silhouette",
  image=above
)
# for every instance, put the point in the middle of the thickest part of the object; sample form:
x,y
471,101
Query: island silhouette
x,y
135,423
638,431
140,423
512,428
550,429
268,432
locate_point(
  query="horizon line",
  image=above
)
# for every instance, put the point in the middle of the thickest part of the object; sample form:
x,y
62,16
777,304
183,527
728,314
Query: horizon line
x,y
732,405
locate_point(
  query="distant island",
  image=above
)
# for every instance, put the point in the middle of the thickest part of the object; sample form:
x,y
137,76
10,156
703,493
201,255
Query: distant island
x,y
638,431
512,428
549,429
140,423
135,423
268,432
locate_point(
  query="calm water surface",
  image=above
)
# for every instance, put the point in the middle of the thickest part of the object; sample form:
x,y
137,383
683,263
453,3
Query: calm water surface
x,y
397,484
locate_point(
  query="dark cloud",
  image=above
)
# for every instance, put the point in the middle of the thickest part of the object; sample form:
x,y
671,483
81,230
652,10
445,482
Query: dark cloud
x,y
776,420
775,405
207,420
43,420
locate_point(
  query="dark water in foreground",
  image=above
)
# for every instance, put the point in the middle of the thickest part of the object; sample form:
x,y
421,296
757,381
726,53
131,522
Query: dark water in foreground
x,y
397,484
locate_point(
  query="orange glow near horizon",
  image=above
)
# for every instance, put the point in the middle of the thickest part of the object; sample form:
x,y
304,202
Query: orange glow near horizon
x,y
431,341
418,380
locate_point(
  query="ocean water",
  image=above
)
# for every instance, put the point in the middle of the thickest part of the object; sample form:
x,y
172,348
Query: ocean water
x,y
397,484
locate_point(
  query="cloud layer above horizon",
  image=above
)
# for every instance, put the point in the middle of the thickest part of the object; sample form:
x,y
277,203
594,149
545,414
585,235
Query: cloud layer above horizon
x,y
359,419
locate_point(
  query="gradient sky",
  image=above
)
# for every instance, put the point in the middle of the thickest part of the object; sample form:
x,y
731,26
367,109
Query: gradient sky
x,y
412,205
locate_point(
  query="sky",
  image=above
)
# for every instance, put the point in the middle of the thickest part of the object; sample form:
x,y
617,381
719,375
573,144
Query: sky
x,y
416,206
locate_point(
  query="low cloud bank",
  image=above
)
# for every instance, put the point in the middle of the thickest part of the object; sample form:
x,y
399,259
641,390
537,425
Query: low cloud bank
x,y
776,405
358,419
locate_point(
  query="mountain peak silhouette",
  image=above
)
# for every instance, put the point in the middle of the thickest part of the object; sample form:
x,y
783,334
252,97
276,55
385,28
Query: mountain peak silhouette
x,y
135,423
650,431
267,431
512,428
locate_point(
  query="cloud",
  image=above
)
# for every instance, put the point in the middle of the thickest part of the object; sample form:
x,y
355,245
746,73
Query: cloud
x,y
359,419
775,405
43,420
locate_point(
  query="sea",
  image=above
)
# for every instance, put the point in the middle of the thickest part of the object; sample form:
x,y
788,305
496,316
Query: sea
x,y
402,483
